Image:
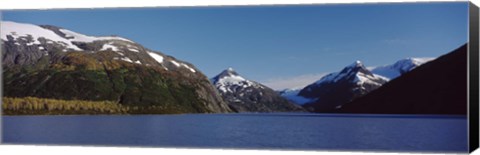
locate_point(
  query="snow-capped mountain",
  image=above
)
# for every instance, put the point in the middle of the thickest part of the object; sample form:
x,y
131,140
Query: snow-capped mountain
x,y
386,73
32,42
244,95
400,67
52,62
229,81
335,89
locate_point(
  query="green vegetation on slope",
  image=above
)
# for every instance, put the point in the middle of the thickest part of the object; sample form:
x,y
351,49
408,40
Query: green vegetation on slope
x,y
81,77
42,106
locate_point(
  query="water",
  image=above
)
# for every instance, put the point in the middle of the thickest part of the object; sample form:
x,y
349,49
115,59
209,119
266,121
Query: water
x,y
251,131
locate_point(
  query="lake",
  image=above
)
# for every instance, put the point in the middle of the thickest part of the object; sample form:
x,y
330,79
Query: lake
x,y
411,133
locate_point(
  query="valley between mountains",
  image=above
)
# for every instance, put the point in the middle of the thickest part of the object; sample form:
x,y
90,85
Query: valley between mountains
x,y
53,70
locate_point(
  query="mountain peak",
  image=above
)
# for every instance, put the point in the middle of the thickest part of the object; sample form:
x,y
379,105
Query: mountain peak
x,y
229,72
355,68
228,79
354,72
356,64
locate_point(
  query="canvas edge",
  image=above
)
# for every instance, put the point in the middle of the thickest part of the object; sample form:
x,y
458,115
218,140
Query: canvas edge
x,y
473,77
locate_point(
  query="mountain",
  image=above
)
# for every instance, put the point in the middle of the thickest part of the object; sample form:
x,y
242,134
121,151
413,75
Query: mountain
x,y
52,62
244,95
335,89
437,87
386,72
400,67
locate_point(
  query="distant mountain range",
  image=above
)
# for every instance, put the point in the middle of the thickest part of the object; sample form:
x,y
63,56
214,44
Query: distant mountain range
x,y
355,80
244,95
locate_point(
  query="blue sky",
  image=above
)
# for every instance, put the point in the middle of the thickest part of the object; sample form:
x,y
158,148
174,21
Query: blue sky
x,y
275,45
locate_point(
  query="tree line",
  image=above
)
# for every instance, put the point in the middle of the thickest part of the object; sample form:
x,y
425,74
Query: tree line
x,y
43,106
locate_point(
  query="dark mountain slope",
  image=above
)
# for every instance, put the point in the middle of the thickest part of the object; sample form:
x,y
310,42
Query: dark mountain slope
x,y
437,87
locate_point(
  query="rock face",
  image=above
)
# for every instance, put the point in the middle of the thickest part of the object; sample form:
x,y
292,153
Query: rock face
x,y
52,62
244,95
437,87
336,89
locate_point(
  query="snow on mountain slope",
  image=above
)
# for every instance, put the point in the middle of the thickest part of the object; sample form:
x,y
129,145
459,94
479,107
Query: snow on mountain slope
x,y
32,33
45,39
156,56
356,72
229,81
335,89
356,76
352,81
400,67
21,30
244,95
74,36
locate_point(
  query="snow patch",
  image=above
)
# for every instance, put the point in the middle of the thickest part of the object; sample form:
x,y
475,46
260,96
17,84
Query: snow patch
x,y
17,30
109,46
156,56
182,65
188,67
119,53
133,50
361,78
22,31
84,38
225,84
127,59
175,63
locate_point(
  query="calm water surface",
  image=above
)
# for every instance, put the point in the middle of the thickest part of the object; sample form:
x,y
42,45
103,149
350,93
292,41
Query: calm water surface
x,y
251,131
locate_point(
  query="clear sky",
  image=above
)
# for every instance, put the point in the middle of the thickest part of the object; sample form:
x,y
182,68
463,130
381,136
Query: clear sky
x,y
275,45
